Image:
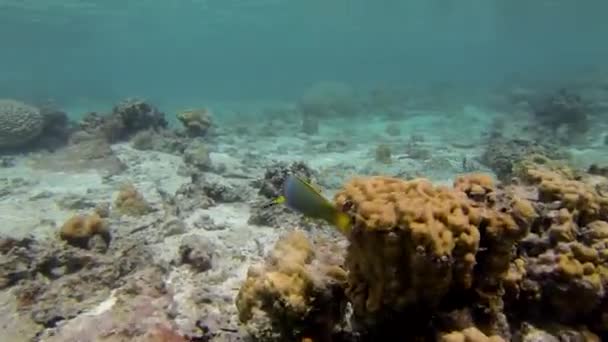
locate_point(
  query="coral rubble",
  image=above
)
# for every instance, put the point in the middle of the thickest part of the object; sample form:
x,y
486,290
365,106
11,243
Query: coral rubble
x,y
52,282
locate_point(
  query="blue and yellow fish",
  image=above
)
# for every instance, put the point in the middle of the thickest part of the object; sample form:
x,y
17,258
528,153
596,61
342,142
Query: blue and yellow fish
x,y
302,197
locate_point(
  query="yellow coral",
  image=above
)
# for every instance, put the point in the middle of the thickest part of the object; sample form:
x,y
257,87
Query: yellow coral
x,y
579,270
475,184
515,274
79,229
296,288
564,228
412,242
584,253
557,182
130,201
405,234
577,232
432,215
471,334
535,167
523,209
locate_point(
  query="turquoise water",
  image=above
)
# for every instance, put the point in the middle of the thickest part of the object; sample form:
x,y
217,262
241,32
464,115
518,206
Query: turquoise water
x,y
201,51
143,144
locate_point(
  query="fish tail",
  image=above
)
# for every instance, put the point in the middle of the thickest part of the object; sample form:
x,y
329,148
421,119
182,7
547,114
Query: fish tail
x,y
343,223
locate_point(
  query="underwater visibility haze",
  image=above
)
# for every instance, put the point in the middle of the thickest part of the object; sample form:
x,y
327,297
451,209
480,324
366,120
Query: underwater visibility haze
x,y
310,171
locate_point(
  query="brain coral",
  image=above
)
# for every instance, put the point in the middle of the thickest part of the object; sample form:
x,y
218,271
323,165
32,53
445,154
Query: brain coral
x,y
19,123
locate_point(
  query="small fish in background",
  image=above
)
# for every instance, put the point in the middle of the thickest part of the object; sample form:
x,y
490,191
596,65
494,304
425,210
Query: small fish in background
x,y
302,197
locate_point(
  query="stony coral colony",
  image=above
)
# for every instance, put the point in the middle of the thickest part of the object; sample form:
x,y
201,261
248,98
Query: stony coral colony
x,y
478,261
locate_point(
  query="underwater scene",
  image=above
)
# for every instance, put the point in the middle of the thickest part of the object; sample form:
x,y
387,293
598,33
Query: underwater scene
x,y
303,171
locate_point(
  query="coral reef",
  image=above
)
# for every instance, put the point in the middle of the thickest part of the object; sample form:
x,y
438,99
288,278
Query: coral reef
x,y
197,252
564,256
477,261
137,115
81,231
197,122
501,154
270,187
19,123
429,238
201,257
129,201
126,119
144,140
297,294
272,183
56,129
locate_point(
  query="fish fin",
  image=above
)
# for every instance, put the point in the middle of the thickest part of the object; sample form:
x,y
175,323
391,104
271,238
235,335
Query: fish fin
x,y
343,222
314,189
293,186
308,185
276,201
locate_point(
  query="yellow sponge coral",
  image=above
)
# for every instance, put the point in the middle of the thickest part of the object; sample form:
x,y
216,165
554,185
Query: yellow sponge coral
x,y
297,293
476,185
413,243
561,184
471,334
130,201
79,229
410,242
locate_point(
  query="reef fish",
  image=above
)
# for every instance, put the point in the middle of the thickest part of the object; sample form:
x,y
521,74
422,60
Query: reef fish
x,y
302,197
